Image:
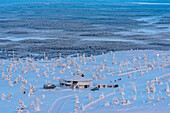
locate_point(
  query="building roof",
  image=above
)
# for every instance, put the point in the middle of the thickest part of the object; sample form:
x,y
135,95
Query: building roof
x,y
77,79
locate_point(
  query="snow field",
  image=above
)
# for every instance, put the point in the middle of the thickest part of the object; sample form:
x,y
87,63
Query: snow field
x,y
144,74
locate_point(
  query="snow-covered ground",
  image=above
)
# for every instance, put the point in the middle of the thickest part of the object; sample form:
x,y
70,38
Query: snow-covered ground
x,y
144,78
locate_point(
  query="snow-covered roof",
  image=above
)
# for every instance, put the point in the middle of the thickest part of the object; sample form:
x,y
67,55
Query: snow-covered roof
x,y
77,79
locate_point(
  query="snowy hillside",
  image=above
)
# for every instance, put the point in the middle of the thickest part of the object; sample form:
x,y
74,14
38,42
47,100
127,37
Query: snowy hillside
x,y
143,78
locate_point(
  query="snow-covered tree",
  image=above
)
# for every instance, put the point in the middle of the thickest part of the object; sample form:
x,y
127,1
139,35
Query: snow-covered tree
x,y
152,87
77,100
76,96
91,99
84,62
16,81
128,102
3,96
122,93
134,59
93,74
33,88
23,88
30,92
37,108
10,83
15,69
134,89
134,97
62,71
21,107
54,78
158,99
122,97
3,75
147,89
102,95
103,77
10,95
142,73
58,78
32,104
48,69
38,75
76,106
129,76
107,104
115,101
149,99
89,95
104,58
119,89
167,88
43,96
82,107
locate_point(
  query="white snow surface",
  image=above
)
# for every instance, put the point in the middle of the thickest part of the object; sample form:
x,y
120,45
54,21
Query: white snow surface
x,y
106,69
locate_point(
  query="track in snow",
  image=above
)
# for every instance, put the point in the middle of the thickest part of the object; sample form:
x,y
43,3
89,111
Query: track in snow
x,y
85,107
58,105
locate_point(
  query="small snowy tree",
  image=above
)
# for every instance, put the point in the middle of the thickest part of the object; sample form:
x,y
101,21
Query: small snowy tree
x,y
32,104
82,107
33,88
77,107
147,89
102,95
152,87
57,79
37,108
38,75
134,97
103,77
149,99
142,73
54,78
134,89
122,97
128,102
43,96
21,107
23,88
3,75
3,96
77,100
104,58
91,99
115,101
89,95
158,99
167,88
16,81
10,83
10,95
19,110
119,89
129,76
107,104
30,93
134,59
123,93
